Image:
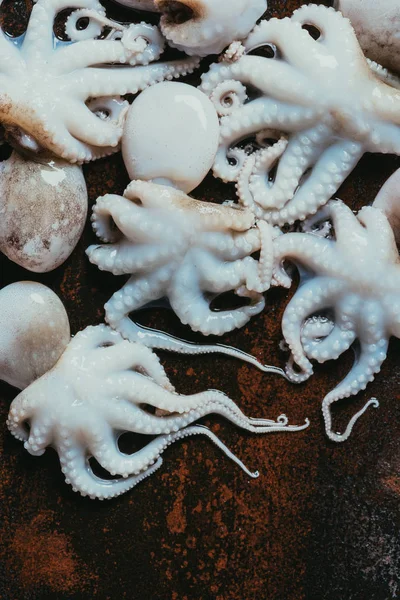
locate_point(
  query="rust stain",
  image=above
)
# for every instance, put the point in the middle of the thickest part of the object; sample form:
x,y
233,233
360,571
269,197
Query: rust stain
x,y
176,518
393,483
42,556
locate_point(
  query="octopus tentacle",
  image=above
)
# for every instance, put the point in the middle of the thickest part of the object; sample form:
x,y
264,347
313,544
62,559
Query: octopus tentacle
x,y
225,245
314,331
111,459
136,293
109,81
288,39
266,261
311,251
91,129
197,406
340,338
117,216
298,155
219,276
89,53
123,259
189,302
39,37
374,345
136,358
40,437
257,164
313,296
331,26
327,174
379,227
263,113
382,136
79,474
259,73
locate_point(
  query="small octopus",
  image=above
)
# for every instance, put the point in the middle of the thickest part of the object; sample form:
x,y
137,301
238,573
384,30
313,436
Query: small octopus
x,y
304,90
203,27
103,386
356,274
184,249
64,96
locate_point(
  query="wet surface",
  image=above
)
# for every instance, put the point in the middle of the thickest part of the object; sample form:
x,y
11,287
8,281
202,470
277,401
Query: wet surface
x,y
322,522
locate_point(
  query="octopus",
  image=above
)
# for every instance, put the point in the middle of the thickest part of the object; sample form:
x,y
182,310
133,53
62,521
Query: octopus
x,y
103,386
65,97
355,274
203,27
187,251
299,107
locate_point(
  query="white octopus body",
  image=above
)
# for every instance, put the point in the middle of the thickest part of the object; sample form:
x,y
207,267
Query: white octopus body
x,y
103,386
64,97
356,275
319,98
203,27
183,249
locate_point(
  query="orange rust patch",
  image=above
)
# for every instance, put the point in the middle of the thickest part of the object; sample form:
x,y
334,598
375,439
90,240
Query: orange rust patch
x,y
42,556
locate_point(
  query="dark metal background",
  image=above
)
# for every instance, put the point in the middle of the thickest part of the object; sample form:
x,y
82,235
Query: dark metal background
x,y
321,523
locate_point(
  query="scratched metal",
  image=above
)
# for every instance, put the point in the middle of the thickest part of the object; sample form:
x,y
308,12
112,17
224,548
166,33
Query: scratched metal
x,y
321,523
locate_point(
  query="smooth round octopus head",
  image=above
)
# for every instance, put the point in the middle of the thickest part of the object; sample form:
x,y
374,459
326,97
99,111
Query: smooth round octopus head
x,y
377,25
147,5
43,207
388,201
171,136
34,332
203,27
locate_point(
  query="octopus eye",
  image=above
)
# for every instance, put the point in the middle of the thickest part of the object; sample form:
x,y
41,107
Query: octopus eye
x,y
106,345
176,12
82,23
312,30
265,51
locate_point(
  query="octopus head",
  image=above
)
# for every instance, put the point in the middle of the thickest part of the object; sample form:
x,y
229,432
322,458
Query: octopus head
x,y
34,332
202,27
377,27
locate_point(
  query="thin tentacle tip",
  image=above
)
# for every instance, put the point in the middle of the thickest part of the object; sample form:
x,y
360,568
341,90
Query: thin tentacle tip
x,y
282,419
255,475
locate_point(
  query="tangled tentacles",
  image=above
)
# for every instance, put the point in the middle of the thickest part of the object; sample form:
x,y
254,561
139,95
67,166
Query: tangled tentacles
x,y
356,275
318,97
183,249
103,386
187,251
64,96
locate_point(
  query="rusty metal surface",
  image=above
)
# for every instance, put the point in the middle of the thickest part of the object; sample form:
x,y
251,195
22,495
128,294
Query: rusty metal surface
x,y
321,523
